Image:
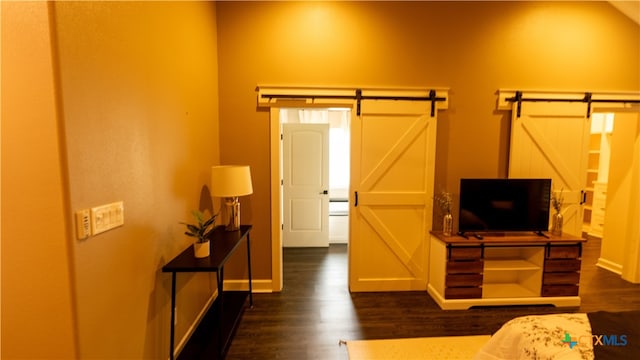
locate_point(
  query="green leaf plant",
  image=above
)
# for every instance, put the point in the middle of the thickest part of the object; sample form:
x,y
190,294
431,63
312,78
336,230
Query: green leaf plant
x,y
203,228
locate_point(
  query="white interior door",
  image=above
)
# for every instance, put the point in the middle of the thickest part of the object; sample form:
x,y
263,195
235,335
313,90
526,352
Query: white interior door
x,y
551,140
305,185
392,173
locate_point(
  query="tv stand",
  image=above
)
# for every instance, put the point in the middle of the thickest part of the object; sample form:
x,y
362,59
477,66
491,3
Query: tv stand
x,y
478,236
540,233
475,235
507,269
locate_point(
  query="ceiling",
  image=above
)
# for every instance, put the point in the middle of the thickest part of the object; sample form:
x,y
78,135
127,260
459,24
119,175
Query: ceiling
x,y
631,8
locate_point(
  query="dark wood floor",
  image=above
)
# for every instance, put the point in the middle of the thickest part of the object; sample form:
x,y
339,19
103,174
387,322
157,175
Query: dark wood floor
x,y
315,309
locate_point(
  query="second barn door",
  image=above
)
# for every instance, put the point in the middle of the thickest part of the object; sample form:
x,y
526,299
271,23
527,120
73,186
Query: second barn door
x,y
550,140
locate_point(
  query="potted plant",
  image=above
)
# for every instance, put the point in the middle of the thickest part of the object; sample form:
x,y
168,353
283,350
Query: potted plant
x,y
201,232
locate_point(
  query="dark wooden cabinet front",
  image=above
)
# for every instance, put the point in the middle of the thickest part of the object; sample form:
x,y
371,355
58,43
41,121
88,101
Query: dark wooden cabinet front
x,y
464,273
561,270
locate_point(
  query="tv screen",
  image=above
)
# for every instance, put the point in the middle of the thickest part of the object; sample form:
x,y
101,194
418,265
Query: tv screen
x,y
504,205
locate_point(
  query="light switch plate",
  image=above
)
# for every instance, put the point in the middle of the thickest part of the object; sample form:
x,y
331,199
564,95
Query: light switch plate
x,y
83,224
107,217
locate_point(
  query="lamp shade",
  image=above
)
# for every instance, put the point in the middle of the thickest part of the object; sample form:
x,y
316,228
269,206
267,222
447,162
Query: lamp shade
x,y
231,181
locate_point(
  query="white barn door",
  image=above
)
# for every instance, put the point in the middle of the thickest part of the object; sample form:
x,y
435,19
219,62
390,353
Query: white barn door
x,y
392,174
550,140
305,185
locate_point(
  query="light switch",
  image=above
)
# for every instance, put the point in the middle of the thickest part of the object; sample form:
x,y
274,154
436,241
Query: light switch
x,y
107,217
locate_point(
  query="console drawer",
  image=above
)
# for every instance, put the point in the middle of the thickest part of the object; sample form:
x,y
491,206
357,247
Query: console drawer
x,y
464,267
464,280
560,278
560,290
564,252
463,293
465,253
561,265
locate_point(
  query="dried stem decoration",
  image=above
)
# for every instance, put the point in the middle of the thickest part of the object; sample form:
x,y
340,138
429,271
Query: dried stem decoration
x,y
557,199
444,201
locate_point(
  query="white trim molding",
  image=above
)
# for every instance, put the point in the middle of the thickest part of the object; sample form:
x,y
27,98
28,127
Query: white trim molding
x,y
609,265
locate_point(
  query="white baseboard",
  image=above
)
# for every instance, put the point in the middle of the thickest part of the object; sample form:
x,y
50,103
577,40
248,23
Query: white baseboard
x,y
258,286
609,265
342,240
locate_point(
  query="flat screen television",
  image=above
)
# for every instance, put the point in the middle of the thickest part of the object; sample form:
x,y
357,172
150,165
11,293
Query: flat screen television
x,y
504,205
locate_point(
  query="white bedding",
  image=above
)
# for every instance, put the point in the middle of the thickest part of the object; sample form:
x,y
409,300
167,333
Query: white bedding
x,y
540,337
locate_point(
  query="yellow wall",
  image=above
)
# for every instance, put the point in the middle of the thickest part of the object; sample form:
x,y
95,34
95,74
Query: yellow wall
x,y
135,86
37,314
474,48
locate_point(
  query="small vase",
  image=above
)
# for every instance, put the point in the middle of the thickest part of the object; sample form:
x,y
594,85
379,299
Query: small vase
x,y
201,249
556,224
447,225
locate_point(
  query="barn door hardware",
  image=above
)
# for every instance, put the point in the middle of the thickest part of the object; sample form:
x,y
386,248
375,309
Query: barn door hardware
x,y
359,97
432,98
588,98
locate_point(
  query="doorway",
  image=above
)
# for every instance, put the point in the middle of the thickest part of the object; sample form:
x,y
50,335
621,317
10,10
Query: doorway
x,y
392,134
315,176
600,136
618,196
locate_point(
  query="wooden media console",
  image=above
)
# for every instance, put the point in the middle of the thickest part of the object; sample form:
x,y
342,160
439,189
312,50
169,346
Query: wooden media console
x,y
504,269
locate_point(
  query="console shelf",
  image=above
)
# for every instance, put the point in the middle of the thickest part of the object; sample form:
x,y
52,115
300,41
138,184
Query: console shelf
x,y
504,269
509,265
498,291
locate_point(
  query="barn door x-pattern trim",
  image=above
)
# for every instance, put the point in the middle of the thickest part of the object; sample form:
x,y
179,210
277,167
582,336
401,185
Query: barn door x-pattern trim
x,y
367,198
548,150
394,153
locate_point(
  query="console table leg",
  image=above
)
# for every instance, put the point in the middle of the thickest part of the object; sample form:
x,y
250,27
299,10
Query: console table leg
x,y
220,303
249,268
173,314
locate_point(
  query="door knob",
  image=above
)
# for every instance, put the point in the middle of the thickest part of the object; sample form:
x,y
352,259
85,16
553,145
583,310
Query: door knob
x,y
324,192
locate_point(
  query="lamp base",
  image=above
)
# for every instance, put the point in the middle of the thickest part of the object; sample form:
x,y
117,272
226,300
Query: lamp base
x,y
232,206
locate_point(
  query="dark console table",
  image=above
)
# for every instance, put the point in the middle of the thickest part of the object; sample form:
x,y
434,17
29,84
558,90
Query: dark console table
x,y
227,308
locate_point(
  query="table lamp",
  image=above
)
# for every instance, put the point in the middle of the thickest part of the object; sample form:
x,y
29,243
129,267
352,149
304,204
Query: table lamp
x,y
230,182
